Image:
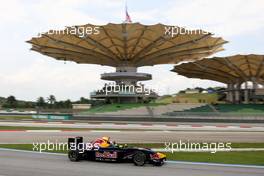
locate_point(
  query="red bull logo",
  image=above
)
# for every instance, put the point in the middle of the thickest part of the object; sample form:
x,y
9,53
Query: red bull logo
x,y
111,155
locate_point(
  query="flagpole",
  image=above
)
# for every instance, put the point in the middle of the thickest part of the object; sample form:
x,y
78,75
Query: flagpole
x,y
125,6
125,11
127,18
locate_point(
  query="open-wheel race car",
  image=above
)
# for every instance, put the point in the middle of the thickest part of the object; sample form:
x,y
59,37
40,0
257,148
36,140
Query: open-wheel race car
x,y
114,153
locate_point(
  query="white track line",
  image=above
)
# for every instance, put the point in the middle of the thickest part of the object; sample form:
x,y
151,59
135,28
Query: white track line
x,y
36,152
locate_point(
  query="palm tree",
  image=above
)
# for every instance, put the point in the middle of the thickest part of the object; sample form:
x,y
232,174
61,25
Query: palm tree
x,y
51,99
41,102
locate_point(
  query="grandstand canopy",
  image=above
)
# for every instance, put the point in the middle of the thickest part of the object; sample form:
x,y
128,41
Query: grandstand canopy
x,y
233,69
126,44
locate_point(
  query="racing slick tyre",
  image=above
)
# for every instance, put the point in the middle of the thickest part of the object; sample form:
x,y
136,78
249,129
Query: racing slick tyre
x,y
73,155
139,158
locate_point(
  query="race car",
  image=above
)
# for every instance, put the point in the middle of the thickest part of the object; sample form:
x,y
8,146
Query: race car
x,y
114,153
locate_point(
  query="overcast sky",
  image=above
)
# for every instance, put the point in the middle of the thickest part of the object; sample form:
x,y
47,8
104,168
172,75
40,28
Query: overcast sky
x,y
28,75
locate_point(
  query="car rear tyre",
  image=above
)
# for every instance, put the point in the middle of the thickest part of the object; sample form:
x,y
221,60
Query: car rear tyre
x,y
139,158
74,156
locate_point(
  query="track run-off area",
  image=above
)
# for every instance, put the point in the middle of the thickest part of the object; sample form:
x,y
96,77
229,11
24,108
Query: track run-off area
x,y
24,163
124,132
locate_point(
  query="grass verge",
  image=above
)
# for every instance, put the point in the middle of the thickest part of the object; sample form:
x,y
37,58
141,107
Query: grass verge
x,y
251,158
118,107
15,117
233,145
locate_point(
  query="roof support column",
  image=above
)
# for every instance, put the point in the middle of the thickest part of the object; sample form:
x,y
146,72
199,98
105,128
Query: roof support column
x,y
255,86
237,93
230,95
246,96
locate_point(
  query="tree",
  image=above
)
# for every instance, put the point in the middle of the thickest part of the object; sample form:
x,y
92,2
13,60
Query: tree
x,y
41,102
199,88
11,102
52,100
67,104
83,100
181,92
59,104
63,104
28,105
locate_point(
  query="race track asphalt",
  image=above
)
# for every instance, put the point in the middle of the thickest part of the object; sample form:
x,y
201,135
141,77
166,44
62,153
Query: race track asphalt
x,y
133,136
16,163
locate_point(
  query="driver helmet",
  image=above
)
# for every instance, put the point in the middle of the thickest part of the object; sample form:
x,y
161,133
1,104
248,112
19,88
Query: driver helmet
x,y
106,139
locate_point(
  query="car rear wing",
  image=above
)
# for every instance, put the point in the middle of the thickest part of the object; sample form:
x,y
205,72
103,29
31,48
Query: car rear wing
x,y
74,141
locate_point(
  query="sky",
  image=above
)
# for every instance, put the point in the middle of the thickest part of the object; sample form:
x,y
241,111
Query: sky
x,y
27,74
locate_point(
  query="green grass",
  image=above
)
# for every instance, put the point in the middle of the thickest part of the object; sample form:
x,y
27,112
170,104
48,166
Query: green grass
x,y
118,107
197,97
144,145
205,108
15,117
253,158
17,146
234,145
165,100
230,109
28,147
247,145
241,108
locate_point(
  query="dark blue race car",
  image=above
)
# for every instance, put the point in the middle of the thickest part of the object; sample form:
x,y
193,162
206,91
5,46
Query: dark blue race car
x,y
115,153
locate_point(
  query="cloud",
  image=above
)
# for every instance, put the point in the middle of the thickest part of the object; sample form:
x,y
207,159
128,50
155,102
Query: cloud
x,y
12,11
225,17
43,78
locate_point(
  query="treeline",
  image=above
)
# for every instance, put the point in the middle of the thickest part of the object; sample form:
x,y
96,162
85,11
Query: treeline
x,y
50,102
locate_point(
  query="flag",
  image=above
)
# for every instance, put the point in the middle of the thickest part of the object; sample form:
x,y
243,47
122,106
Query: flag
x,y
128,19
